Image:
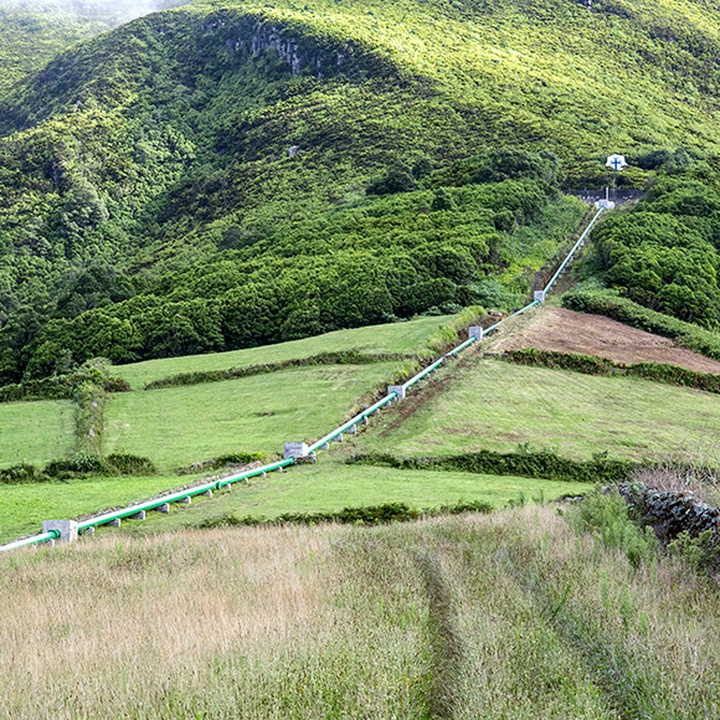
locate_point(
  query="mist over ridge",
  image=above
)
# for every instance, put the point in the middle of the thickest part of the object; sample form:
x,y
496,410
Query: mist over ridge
x,y
99,9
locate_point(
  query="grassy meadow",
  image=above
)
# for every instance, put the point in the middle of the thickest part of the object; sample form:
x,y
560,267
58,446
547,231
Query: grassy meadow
x,y
24,507
493,405
181,425
409,337
35,433
515,615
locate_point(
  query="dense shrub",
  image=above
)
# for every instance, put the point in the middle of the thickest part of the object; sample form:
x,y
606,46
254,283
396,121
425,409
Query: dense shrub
x,y
84,464
607,516
19,474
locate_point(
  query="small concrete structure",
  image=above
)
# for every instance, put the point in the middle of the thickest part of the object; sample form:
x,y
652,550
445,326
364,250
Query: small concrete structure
x,y
475,331
208,493
87,531
164,508
184,501
67,529
399,390
114,523
338,438
351,430
137,516
325,446
295,450
539,295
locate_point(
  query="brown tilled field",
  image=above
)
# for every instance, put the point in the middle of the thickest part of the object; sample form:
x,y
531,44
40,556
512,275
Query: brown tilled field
x,y
562,330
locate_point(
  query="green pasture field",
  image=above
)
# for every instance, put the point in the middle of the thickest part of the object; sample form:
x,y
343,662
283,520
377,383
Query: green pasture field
x,y
408,337
494,405
35,433
178,426
24,507
324,487
331,486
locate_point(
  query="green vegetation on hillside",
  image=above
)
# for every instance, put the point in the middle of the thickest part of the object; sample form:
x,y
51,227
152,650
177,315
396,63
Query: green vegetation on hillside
x,y
35,433
32,32
664,252
228,174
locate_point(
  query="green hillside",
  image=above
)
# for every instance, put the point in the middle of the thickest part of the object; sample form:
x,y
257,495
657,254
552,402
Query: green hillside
x,y
225,175
32,33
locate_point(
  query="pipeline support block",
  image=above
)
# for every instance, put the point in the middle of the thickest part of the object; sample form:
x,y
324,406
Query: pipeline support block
x,y
67,529
475,331
399,390
295,450
539,295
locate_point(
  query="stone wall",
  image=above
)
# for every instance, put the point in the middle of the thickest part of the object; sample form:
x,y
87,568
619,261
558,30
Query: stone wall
x,y
671,513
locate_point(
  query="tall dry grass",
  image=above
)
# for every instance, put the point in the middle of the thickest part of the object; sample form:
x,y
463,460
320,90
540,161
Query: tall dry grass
x,y
513,615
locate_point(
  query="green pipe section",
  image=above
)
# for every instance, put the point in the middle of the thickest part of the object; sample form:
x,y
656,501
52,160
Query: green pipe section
x,y
423,373
353,421
461,347
181,495
33,540
573,251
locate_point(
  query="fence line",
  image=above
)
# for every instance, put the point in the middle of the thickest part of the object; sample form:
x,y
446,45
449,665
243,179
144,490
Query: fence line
x,y
69,529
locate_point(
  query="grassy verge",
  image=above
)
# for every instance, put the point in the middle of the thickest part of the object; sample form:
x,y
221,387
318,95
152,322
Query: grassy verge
x,y
492,405
513,615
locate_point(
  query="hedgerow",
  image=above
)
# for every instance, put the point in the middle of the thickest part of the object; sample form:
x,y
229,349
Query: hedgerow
x,y
593,365
367,515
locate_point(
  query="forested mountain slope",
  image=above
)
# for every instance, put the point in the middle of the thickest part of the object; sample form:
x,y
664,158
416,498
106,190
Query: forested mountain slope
x,y
32,32
226,174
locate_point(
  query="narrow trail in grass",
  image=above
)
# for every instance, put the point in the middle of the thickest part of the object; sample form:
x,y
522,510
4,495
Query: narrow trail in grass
x,y
446,653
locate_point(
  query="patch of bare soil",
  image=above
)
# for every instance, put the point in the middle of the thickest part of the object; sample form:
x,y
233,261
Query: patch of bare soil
x,y
566,331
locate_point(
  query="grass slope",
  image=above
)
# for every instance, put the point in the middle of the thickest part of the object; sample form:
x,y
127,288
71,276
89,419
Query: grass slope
x,y
410,338
179,426
35,433
492,405
514,615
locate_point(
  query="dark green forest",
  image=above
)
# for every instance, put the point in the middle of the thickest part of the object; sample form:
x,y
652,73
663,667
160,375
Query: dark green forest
x,y
228,174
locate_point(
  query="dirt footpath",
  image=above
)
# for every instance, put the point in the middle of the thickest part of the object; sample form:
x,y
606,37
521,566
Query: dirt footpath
x,y
553,328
